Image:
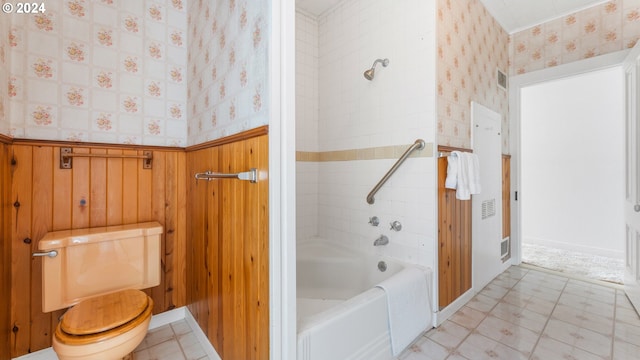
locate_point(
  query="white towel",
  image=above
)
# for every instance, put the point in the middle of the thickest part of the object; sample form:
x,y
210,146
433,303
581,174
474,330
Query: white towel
x,y
463,174
408,305
452,171
474,173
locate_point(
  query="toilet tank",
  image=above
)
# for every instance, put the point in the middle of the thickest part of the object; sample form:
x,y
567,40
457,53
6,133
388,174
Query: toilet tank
x,y
97,261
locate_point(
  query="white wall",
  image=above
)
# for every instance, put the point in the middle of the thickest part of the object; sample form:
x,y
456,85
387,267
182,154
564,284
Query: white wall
x,y
306,124
306,82
572,155
398,104
396,108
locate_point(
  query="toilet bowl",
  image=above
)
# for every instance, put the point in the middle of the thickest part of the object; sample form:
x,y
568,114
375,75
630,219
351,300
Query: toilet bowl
x,y
104,327
98,272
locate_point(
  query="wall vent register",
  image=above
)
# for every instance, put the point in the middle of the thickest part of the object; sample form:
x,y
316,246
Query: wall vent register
x,y
505,247
502,79
488,208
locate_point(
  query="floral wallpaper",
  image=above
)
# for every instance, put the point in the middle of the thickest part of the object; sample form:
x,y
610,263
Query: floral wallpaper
x,y
609,27
4,74
227,67
107,71
471,46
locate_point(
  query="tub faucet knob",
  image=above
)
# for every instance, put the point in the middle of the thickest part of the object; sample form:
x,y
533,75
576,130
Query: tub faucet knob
x,y
396,226
382,240
374,221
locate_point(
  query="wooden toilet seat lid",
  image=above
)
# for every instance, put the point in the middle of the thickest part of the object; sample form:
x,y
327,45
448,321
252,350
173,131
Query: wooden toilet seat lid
x,y
104,313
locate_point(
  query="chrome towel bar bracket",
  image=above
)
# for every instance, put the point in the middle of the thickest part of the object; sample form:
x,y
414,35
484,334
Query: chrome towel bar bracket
x,y
251,176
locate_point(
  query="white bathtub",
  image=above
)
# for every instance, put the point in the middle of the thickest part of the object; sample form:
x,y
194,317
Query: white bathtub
x,y
341,314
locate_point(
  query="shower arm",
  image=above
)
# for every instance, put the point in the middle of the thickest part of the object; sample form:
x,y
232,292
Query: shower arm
x,y
384,63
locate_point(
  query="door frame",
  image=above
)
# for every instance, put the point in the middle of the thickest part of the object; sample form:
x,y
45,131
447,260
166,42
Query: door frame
x,y
516,84
281,177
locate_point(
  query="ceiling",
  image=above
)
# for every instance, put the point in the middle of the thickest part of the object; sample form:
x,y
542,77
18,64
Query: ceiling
x,y
516,15
315,7
513,15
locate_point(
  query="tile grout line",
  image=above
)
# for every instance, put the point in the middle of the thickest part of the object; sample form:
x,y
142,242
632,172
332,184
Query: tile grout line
x,y
548,319
538,339
471,331
175,336
569,288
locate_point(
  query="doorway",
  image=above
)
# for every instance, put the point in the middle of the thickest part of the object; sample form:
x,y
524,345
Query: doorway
x,y
570,161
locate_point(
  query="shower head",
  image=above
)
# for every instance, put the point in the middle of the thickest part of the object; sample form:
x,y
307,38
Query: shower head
x,y
368,74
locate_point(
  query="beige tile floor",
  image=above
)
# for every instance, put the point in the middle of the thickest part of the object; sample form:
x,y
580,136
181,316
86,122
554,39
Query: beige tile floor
x,y
522,314
175,341
530,314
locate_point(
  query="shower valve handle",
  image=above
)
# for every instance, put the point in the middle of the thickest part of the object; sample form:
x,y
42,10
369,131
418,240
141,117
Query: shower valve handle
x,y
374,221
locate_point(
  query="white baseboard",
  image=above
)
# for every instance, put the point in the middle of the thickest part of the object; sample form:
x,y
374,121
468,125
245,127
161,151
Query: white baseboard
x,y
44,354
167,317
157,321
456,305
202,338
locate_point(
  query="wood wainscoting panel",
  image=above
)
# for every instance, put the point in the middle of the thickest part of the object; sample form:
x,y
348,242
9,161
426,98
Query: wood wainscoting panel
x,y
228,248
454,240
203,255
95,192
5,250
454,233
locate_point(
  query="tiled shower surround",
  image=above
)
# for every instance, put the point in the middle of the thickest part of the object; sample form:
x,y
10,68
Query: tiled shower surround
x,y
339,110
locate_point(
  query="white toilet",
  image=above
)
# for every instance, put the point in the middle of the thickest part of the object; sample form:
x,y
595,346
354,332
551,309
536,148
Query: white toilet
x,y
99,272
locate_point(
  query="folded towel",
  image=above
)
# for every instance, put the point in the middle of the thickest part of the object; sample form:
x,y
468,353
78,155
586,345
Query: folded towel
x,y
408,306
463,174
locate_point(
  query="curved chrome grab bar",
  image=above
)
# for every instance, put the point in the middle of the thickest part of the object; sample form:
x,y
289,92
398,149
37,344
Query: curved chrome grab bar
x,y
418,145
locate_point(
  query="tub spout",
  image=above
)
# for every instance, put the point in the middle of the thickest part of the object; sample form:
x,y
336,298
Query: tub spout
x,y
382,240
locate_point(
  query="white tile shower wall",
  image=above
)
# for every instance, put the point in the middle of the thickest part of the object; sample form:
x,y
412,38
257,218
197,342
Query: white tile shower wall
x,y
407,197
395,108
100,71
306,82
306,200
306,124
